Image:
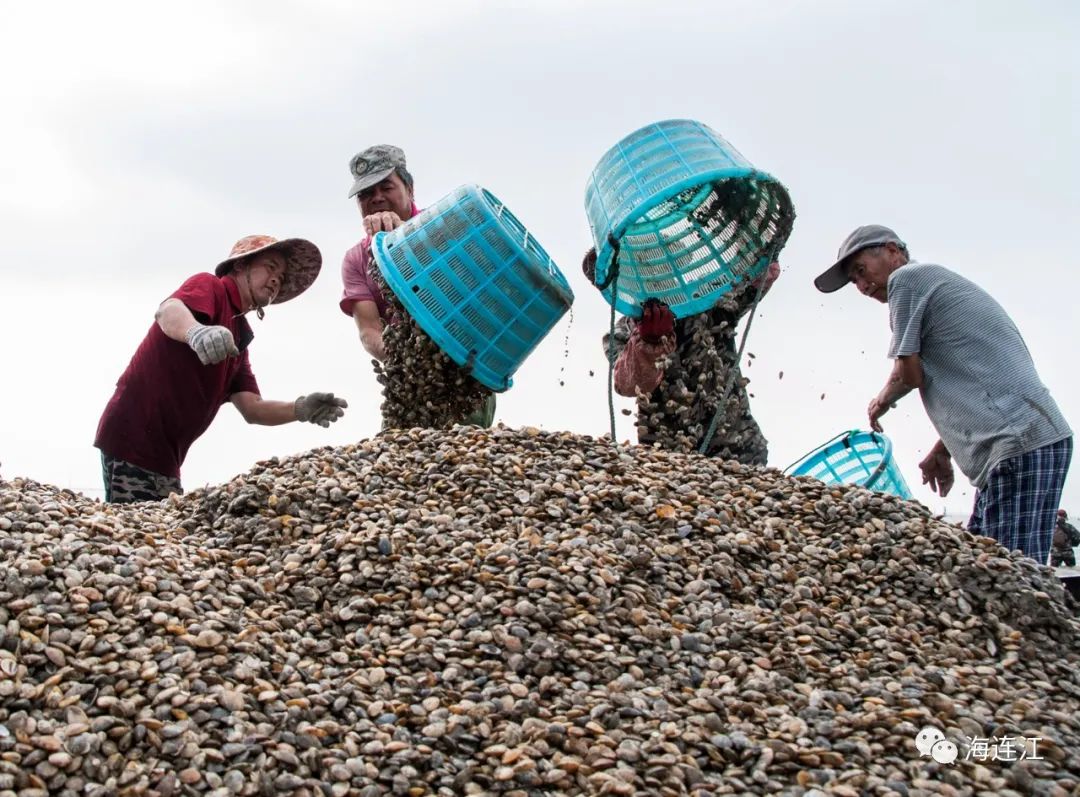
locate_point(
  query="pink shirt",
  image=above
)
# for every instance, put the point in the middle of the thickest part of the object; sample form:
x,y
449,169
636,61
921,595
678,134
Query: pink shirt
x,y
356,278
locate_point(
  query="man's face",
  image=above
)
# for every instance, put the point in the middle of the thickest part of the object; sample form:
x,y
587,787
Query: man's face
x,y
265,275
870,270
390,194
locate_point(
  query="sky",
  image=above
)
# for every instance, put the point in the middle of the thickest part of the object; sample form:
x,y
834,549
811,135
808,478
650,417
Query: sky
x,y
140,140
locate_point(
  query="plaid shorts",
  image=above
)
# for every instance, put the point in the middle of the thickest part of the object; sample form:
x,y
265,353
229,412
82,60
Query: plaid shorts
x,y
1018,506
126,483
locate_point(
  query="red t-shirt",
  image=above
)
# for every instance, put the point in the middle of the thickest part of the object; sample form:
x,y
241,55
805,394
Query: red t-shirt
x,y
167,398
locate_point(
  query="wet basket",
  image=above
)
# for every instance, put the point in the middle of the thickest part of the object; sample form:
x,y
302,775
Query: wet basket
x,y
476,281
687,216
862,458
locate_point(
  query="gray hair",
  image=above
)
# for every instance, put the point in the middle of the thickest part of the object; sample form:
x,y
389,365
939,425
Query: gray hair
x,y
406,178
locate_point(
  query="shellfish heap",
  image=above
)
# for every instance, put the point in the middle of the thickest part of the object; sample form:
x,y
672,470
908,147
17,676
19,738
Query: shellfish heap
x,y
516,612
422,385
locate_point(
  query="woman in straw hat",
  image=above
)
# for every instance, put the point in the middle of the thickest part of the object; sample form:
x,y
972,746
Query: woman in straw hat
x,y
193,359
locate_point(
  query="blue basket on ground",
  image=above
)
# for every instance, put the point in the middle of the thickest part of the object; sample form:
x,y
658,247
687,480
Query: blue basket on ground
x,y
862,458
475,281
684,216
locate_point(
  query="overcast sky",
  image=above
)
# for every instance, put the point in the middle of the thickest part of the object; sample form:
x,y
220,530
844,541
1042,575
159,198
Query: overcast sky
x,y
140,140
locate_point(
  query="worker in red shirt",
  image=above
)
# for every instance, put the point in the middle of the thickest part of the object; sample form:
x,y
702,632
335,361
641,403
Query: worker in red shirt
x,y
194,359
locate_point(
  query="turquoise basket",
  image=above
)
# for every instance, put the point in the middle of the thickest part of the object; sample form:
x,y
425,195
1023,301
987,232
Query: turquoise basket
x,y
475,281
684,216
862,458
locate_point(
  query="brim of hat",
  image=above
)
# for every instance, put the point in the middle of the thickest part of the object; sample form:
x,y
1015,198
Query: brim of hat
x,y
834,278
369,180
303,261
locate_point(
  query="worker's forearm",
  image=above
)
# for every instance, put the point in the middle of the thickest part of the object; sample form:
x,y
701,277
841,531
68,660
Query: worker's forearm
x,y
893,391
174,319
372,341
370,326
901,381
266,412
910,369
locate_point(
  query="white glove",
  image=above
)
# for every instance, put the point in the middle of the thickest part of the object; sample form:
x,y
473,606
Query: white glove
x,y
212,344
320,408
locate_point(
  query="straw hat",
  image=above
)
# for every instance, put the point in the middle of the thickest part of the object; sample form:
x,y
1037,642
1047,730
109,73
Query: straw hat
x,y
302,262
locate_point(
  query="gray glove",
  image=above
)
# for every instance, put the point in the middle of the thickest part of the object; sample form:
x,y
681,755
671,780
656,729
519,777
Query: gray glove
x,y
212,344
320,408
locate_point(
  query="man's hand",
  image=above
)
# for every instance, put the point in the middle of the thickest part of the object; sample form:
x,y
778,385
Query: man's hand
x,y
383,221
937,471
657,321
876,409
212,344
319,408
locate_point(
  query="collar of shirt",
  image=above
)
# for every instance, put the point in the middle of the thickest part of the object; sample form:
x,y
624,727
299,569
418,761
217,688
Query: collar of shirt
x,y
232,290
244,332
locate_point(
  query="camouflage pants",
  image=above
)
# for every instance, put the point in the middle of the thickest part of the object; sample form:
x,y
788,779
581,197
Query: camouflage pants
x,y
126,483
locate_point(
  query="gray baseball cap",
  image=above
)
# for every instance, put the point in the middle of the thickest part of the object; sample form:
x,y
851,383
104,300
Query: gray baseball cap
x,y
374,164
835,277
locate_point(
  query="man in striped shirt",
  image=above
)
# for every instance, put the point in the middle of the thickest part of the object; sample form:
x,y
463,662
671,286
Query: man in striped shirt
x,y
995,418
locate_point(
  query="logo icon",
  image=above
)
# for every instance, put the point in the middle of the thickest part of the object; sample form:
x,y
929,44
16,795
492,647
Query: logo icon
x,y
927,738
932,742
944,752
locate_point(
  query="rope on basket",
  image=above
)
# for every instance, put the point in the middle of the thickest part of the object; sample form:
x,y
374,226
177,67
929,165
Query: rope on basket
x,y
612,278
721,405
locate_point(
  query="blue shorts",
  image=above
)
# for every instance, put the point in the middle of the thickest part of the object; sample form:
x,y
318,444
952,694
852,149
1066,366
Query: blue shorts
x,y
1018,506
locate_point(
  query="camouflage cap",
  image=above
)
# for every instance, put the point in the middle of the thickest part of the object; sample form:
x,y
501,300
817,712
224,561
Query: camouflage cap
x,y
374,164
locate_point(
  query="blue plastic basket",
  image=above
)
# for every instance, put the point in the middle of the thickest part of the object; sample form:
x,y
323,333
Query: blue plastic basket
x,y
687,216
476,281
862,458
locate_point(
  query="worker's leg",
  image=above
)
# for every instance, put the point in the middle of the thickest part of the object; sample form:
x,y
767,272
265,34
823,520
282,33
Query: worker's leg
x,y
126,483
1018,506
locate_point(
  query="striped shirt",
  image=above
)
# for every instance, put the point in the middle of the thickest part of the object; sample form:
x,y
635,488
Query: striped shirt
x,y
980,387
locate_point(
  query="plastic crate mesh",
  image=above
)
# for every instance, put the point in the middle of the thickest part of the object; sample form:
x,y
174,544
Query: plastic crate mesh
x,y
682,217
476,281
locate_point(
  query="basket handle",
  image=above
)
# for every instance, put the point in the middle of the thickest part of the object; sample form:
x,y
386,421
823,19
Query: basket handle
x,y
822,445
874,475
880,466
613,266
